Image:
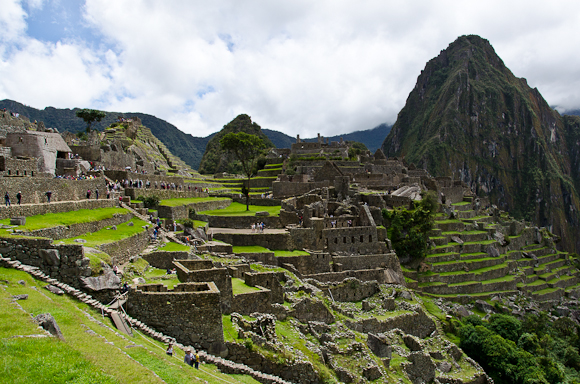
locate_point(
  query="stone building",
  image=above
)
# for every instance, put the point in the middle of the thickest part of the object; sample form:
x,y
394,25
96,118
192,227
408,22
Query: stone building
x,y
48,147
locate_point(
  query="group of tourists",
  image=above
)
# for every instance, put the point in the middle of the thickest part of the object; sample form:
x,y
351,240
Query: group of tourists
x,y
258,227
7,198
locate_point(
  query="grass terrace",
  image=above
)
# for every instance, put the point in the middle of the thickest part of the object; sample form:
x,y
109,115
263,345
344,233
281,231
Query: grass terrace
x,y
249,249
50,220
237,209
173,247
239,286
295,252
189,200
105,236
91,352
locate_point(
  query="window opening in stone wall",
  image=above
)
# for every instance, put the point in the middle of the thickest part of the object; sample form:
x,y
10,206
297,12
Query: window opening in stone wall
x,y
8,172
361,238
17,172
336,240
24,173
352,239
370,238
326,242
31,173
344,239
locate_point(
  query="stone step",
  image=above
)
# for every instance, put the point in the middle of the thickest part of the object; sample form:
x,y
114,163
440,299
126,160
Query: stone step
x,y
450,225
478,275
471,287
537,285
563,282
442,257
447,248
439,240
452,266
465,214
541,251
461,207
548,294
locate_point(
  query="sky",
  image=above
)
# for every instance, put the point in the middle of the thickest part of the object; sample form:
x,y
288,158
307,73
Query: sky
x,y
295,66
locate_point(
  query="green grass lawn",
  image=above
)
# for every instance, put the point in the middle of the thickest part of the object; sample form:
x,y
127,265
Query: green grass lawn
x,y
290,253
237,209
249,249
105,236
50,220
239,286
90,352
173,247
190,200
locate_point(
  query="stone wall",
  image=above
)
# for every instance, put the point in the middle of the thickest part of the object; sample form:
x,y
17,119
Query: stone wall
x,y
283,189
351,290
34,188
343,263
258,201
268,280
124,175
220,276
315,263
182,211
240,222
164,194
353,240
41,209
66,263
10,166
87,152
121,251
163,259
414,323
73,230
250,302
190,313
273,241
299,372
380,275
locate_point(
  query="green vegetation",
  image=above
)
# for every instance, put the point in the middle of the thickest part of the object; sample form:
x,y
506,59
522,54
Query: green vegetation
x,y
249,249
92,352
105,236
190,200
173,247
535,350
237,209
407,229
90,116
50,220
295,252
239,286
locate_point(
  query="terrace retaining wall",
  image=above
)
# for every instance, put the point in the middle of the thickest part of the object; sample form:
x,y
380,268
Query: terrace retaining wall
x,y
73,230
56,207
121,251
182,211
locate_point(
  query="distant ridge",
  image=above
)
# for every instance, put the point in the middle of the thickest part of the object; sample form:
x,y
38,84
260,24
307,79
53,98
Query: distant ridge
x,y
187,147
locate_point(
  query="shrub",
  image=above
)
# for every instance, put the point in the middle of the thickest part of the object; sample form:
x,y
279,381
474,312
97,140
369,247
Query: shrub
x,y
151,201
188,224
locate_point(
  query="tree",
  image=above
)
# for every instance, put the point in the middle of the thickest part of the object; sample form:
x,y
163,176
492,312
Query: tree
x,y
90,116
246,148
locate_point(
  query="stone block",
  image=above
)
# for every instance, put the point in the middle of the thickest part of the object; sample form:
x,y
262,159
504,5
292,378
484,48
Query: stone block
x,y
50,256
21,220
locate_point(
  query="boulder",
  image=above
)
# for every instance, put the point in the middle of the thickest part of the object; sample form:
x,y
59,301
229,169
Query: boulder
x,y
20,297
389,304
413,343
55,290
130,224
17,220
483,306
312,310
372,372
456,240
444,366
263,213
108,280
421,369
379,345
46,321
50,256
492,251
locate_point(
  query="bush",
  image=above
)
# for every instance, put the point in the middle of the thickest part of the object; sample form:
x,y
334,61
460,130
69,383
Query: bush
x,y
151,201
188,224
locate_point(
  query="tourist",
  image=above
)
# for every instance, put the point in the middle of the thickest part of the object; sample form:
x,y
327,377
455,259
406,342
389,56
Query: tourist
x,y
88,193
7,199
196,359
19,197
174,226
124,288
48,195
97,193
188,359
115,269
108,194
169,350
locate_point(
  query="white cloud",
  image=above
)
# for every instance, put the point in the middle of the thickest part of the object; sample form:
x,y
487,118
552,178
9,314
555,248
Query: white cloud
x,y
298,67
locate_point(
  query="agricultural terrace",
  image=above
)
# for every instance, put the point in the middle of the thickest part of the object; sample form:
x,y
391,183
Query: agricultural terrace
x,y
50,220
108,235
237,209
190,200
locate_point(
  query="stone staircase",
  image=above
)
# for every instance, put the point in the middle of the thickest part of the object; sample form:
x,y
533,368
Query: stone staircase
x,y
225,366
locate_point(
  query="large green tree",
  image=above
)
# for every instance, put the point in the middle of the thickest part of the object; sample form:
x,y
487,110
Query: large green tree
x,y
246,148
90,116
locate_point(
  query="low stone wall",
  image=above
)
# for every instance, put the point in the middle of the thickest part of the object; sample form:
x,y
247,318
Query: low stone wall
x,y
44,208
239,222
34,188
73,230
273,241
124,175
66,263
299,372
343,263
258,201
164,194
190,313
182,211
353,240
266,258
250,302
121,251
163,259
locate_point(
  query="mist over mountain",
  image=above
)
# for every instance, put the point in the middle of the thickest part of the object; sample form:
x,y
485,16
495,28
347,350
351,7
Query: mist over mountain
x,y
470,118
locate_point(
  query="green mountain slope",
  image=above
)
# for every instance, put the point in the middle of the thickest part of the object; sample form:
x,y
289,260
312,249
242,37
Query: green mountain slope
x,y
214,159
469,117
